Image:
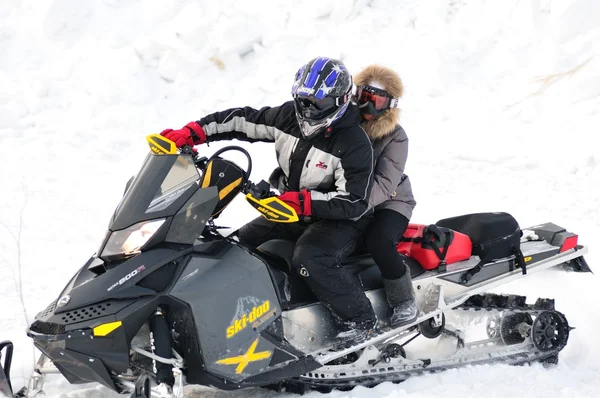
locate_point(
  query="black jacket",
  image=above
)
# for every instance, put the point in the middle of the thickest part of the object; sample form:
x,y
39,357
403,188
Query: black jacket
x,y
337,166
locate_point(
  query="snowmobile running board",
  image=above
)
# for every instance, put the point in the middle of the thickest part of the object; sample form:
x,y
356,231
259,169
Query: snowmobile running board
x,y
436,289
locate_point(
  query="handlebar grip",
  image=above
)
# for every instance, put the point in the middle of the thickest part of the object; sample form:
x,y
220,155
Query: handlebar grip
x,y
261,190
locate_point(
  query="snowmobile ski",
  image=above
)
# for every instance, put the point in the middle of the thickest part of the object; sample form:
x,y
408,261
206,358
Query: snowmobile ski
x,y
6,352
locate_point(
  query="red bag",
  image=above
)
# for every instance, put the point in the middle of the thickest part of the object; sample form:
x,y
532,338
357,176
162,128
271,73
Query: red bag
x,y
434,246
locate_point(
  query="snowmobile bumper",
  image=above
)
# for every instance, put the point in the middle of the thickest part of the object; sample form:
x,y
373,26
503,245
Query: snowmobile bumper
x,y
6,351
68,354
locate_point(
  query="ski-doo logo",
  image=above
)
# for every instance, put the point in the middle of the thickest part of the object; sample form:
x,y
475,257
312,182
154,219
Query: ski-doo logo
x,y
321,165
257,315
268,212
127,277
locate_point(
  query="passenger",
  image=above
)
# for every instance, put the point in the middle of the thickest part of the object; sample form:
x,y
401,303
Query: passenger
x,y
377,93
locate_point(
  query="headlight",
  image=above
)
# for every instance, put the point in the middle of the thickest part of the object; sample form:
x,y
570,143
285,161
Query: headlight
x,y
130,240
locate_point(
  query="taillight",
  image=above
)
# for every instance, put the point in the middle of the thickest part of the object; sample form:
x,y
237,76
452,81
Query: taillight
x,y
569,243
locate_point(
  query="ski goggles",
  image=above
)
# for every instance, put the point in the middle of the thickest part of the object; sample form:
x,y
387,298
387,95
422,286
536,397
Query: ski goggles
x,y
380,99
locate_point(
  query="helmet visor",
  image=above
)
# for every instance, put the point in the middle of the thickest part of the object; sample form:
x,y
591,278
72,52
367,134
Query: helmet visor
x,y
380,99
314,108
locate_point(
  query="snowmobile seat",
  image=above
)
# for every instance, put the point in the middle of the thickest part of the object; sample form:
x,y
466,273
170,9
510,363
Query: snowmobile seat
x,y
360,262
293,290
284,250
280,249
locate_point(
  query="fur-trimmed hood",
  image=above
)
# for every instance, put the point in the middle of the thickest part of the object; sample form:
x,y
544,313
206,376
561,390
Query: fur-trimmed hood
x,y
384,78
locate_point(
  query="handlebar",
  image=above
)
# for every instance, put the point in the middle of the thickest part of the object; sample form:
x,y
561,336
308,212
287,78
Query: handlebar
x,y
261,190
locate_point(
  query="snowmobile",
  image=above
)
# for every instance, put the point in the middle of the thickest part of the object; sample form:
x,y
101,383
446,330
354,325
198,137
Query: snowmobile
x,y
169,298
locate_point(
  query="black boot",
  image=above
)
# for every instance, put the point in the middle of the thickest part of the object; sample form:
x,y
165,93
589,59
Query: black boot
x,y
401,298
355,331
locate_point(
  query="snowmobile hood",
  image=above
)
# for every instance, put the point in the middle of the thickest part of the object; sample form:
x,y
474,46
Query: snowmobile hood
x,y
117,283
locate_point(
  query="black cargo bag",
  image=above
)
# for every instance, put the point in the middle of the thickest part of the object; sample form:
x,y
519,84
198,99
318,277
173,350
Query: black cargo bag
x,y
494,236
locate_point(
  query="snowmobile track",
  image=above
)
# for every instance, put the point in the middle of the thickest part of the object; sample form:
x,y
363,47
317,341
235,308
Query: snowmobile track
x,y
400,369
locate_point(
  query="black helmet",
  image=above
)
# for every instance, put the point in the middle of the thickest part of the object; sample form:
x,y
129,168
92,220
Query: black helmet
x,y
321,93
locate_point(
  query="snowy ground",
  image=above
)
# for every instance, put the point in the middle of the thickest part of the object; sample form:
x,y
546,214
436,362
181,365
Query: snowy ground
x,y
502,108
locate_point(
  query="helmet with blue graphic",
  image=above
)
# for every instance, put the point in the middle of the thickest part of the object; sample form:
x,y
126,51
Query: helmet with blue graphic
x,y
321,92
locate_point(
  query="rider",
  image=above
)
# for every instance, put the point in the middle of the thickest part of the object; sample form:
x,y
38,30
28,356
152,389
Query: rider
x,y
325,171
378,91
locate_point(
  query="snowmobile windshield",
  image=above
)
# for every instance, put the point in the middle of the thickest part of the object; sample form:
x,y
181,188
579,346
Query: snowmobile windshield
x,y
167,186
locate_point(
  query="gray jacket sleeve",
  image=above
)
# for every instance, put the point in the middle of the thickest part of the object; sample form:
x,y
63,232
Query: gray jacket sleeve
x,y
389,169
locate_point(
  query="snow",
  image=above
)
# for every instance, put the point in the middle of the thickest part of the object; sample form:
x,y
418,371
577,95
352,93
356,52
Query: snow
x,y
502,106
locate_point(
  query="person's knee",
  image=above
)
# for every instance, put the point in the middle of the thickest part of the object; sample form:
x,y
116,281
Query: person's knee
x,y
311,258
378,239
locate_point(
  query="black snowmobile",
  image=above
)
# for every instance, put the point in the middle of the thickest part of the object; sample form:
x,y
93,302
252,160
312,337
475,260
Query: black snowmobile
x,y
169,300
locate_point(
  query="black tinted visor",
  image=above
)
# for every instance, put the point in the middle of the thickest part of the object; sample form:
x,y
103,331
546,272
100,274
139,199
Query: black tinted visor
x,y
314,108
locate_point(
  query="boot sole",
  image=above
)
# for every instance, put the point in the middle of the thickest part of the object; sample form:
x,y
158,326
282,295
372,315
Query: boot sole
x,y
405,322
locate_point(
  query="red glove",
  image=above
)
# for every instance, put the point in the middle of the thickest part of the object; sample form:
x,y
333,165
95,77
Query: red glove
x,y
191,134
299,201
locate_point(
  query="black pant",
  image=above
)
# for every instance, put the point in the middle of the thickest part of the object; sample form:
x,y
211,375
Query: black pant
x,y
383,235
320,248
